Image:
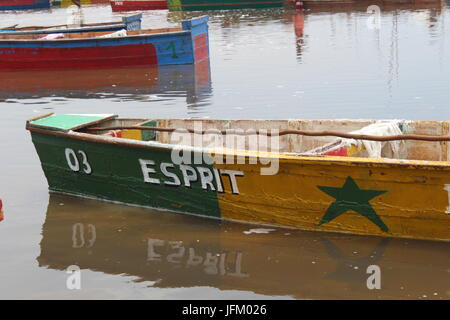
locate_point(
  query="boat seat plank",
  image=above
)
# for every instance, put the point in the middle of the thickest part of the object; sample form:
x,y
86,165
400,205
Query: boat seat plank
x,y
65,122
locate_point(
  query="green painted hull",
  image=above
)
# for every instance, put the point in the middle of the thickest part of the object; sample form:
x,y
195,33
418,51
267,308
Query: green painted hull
x,y
198,5
119,179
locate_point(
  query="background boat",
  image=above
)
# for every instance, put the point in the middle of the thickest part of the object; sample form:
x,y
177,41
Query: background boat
x,y
133,5
24,4
168,46
68,3
316,6
197,5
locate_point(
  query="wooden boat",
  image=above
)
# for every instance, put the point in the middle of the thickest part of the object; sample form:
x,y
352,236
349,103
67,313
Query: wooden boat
x,y
127,23
185,45
385,178
24,4
133,5
194,5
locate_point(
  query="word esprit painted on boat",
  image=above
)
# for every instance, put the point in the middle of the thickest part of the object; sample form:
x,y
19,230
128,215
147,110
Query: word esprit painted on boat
x,y
394,183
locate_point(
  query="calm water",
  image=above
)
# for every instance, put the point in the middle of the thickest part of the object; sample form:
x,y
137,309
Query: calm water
x,y
264,64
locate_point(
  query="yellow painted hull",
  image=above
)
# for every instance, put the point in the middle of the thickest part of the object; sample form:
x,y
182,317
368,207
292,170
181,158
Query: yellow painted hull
x,y
414,203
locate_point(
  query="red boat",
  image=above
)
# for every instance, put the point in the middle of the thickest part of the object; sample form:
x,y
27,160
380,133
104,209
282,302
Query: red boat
x,y
133,5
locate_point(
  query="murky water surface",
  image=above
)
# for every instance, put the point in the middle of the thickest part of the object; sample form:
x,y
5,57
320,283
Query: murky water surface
x,y
266,64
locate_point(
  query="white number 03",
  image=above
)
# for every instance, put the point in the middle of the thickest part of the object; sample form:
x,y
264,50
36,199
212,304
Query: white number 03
x,y
74,163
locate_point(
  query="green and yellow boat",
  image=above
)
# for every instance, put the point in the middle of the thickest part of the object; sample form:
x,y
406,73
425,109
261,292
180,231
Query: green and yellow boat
x,y
198,5
385,178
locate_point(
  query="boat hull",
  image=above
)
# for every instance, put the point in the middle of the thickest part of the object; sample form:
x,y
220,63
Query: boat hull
x,y
197,5
383,198
133,5
184,47
6,5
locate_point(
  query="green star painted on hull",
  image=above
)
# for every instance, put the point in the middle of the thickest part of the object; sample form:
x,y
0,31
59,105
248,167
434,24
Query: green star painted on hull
x,y
351,198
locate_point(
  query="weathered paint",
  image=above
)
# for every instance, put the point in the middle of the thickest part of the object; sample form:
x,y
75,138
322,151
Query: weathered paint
x,y
385,197
68,3
194,5
24,4
144,49
112,173
133,5
405,201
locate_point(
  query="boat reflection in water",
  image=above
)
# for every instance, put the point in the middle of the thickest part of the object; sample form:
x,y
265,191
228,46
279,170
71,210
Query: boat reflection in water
x,y
136,83
68,3
315,6
175,251
298,17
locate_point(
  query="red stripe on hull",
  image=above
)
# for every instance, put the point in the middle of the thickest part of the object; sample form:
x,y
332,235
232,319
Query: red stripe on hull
x,y
83,57
138,5
201,47
17,3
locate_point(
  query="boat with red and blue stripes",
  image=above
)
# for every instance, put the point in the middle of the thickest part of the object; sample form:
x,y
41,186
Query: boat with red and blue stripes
x,y
24,4
168,46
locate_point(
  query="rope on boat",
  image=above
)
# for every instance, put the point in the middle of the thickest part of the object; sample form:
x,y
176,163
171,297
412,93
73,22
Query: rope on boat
x,y
286,132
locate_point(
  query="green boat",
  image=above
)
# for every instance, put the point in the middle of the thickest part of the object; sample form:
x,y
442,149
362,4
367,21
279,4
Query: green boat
x,y
197,5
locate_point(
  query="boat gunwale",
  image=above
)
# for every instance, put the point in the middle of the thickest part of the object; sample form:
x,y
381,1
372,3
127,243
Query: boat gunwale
x,y
282,156
90,39
51,30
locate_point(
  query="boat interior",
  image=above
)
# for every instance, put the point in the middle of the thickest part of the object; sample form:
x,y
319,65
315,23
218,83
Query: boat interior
x,y
87,35
61,26
243,138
